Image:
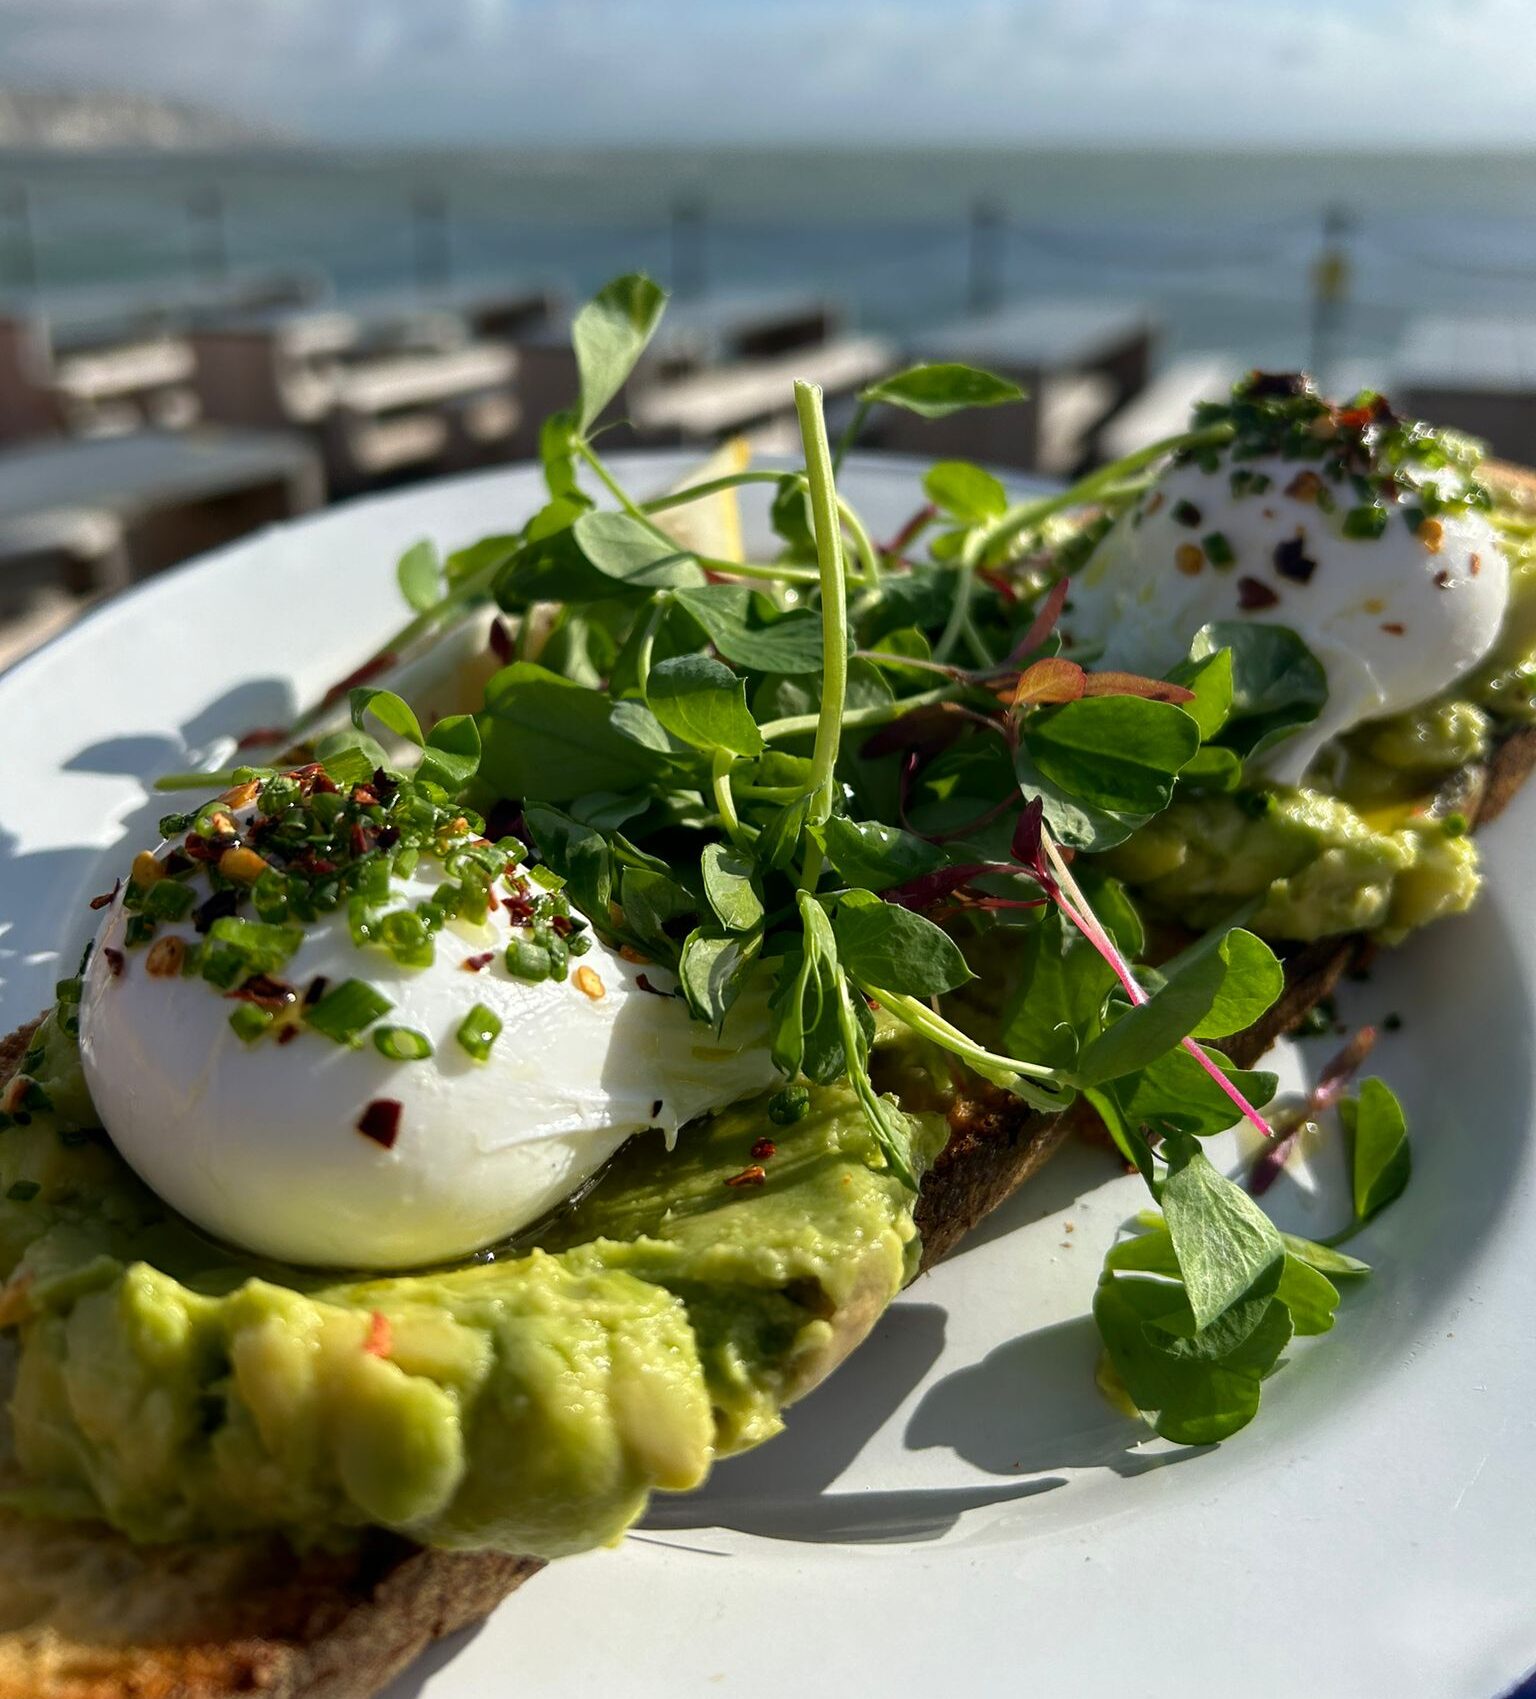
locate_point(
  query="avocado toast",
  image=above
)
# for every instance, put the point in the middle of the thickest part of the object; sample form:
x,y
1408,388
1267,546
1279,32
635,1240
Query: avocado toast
x,y
740,1233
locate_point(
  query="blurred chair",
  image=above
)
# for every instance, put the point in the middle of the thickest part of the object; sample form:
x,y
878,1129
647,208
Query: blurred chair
x,y
1163,408
91,380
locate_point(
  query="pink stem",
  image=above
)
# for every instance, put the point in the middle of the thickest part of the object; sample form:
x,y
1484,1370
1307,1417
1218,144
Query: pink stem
x,y
1088,924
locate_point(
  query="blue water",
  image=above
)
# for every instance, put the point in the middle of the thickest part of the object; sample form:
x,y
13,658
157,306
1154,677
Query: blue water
x,y
1220,247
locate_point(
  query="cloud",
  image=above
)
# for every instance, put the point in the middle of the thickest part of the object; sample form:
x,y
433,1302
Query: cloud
x,y
574,71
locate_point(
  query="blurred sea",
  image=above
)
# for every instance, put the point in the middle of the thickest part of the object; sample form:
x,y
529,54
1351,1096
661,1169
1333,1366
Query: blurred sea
x,y
1219,245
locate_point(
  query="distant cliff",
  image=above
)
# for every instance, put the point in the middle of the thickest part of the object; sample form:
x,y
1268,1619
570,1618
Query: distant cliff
x,y
84,121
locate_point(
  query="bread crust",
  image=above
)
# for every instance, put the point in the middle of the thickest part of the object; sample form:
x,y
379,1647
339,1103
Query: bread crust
x,y
86,1614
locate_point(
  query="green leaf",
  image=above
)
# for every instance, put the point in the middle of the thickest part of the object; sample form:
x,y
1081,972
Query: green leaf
x,y
558,436
1175,1093
780,840
578,853
623,549
790,516
479,558
420,575
1228,1248
635,721
746,629
1210,678
919,598
651,900
1310,1296
1253,980
1215,991
1212,768
350,757
712,970
391,711
552,568
609,335
548,740
1115,753
1324,1258
968,492
1199,1389
876,856
452,756
1073,822
1278,684
884,944
935,391
1380,1165
705,704
1059,983
729,888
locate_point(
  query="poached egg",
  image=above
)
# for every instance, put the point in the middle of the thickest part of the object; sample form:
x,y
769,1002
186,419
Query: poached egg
x,y
262,1144
1393,618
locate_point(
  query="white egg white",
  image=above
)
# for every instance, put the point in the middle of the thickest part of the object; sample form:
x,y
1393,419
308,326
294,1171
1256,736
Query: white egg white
x,y
257,1143
1394,620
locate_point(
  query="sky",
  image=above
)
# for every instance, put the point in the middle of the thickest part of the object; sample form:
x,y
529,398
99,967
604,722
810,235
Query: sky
x,y
572,72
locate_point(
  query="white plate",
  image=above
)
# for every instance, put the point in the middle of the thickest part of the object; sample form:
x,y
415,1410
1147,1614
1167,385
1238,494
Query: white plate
x,y
956,1511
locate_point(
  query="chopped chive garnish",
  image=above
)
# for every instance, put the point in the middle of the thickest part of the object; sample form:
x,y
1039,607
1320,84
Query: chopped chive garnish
x,y
1365,523
139,930
23,1191
260,945
1184,513
478,1031
789,1105
169,900
402,1043
173,825
529,961
343,1014
249,1021
1218,551
404,934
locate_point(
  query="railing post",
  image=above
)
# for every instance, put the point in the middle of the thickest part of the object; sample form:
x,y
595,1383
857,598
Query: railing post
x,y
432,250
988,235
1330,291
688,242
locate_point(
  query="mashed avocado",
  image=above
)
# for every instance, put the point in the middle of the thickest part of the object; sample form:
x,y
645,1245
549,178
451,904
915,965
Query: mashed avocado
x,y
1318,866
530,1403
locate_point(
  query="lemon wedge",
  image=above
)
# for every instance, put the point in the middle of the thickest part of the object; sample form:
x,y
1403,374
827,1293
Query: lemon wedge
x,y
712,525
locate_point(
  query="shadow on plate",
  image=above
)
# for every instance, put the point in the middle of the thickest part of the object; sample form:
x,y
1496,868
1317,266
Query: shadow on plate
x,y
44,917
781,1491
437,1657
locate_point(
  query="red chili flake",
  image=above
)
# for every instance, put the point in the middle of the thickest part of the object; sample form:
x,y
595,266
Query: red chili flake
x,y
1253,594
501,642
1442,579
315,990
261,735
749,1176
178,862
763,1149
198,848
263,989
561,925
520,907
381,1336
380,1121
473,964
312,865
359,841
1305,486
107,897
388,837
114,961
1393,627
1475,565
324,785
287,1034
1292,561
655,1108
364,797
645,985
